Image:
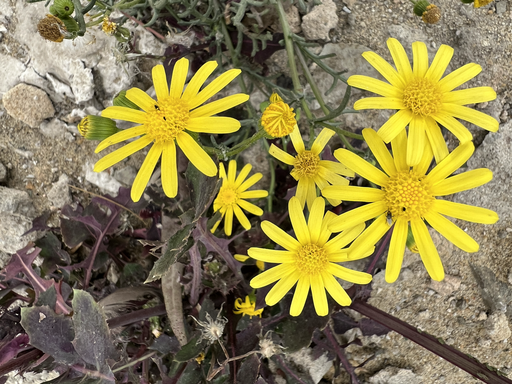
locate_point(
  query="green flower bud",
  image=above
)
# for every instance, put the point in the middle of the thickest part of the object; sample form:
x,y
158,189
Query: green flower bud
x,y
63,7
122,101
70,23
97,127
420,7
122,34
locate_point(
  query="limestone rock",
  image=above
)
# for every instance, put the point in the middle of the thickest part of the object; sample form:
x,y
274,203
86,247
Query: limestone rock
x,y
16,202
317,23
12,227
102,180
126,175
28,104
3,173
56,129
497,327
59,195
11,70
392,375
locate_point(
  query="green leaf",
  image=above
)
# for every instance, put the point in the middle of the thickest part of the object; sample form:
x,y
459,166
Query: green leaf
x,y
92,336
190,350
191,375
51,333
176,247
204,189
52,253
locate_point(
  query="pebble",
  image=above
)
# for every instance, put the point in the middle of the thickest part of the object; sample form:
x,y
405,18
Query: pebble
x,y
29,104
3,173
317,24
497,327
126,175
59,195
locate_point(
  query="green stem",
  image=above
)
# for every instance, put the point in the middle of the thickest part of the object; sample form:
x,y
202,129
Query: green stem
x,y
272,185
343,132
235,150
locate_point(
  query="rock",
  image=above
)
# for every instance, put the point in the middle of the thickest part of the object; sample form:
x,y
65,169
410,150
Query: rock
x,y
16,202
11,71
82,82
12,227
316,368
501,7
102,180
3,173
126,175
60,90
60,195
497,327
496,295
56,129
392,375
147,43
28,104
447,286
317,23
293,18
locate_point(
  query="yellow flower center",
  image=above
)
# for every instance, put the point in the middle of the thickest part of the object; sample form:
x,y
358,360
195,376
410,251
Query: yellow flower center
x,y
167,120
227,196
311,259
422,97
278,118
305,165
408,196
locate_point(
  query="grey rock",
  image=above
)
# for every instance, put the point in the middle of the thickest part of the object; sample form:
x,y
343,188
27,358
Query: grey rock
x,y
3,173
497,327
392,375
28,104
4,259
496,294
82,82
12,227
501,6
447,286
60,195
102,180
16,202
60,90
126,175
292,16
56,129
317,23
11,70
316,368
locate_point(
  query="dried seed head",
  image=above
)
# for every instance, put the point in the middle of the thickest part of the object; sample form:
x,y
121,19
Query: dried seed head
x,y
52,28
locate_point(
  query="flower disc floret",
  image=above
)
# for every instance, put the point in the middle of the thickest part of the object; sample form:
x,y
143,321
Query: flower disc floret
x,y
422,97
167,120
311,259
305,165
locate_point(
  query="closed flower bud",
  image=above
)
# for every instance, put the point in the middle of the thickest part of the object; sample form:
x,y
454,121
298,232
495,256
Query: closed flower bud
x,y
62,7
278,118
97,127
122,101
70,23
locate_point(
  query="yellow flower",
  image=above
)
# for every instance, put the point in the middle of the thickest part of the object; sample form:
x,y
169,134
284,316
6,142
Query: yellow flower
x,y
232,195
278,119
168,120
246,308
243,258
309,261
481,3
423,99
408,197
309,169
109,27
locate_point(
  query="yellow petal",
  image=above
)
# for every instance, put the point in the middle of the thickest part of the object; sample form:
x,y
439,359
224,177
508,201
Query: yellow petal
x,y
141,98
169,170
440,63
241,258
198,80
474,117
242,175
379,103
399,149
325,233
298,221
160,82
351,193
300,296
214,87
123,135
251,208
396,250
281,288
121,153
336,167
250,182
360,166
222,172
179,77
321,141
373,85
416,141
197,156
454,126
465,212
384,68
271,275
365,243
232,171
242,219
218,106
469,96
436,140
451,232
451,163
310,193
145,172
315,219
341,240
319,296
335,290
357,216
396,123
419,59
280,237
213,125
125,114
422,167
349,275
400,59
297,141
301,192
281,155
459,77
462,182
428,251
327,177
228,221
256,194
380,151
272,255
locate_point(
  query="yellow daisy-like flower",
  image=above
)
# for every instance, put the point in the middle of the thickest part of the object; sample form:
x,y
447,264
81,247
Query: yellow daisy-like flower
x,y
309,169
423,99
310,260
243,259
408,197
232,195
247,307
165,122
278,119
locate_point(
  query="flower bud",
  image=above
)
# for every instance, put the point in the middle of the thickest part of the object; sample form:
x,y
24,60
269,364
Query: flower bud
x,y
97,127
122,101
62,7
429,13
278,119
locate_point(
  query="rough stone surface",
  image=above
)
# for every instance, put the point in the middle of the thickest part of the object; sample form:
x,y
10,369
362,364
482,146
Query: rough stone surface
x,y
11,71
3,173
28,104
391,375
12,227
126,175
293,18
56,129
316,368
103,180
317,24
497,327
60,195
16,202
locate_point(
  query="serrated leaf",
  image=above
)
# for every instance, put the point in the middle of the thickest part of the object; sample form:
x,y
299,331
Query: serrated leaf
x,y
190,350
203,188
191,375
51,333
92,336
177,245
248,372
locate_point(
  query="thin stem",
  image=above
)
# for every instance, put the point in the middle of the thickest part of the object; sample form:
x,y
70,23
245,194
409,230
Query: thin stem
x,y
379,252
135,362
288,370
158,35
343,359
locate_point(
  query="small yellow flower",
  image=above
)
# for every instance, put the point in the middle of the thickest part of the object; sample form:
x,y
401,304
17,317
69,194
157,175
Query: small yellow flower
x,y
423,99
232,195
243,258
166,122
309,261
109,27
309,169
408,196
481,3
247,307
278,118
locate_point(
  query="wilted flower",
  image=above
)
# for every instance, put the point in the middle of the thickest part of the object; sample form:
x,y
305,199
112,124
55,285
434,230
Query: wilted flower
x,y
211,330
247,307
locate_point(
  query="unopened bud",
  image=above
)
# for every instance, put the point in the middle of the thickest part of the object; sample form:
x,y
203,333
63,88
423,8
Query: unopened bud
x,y
97,127
122,101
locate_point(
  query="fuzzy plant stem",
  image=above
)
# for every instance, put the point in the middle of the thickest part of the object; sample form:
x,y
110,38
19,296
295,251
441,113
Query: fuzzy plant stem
x,y
171,290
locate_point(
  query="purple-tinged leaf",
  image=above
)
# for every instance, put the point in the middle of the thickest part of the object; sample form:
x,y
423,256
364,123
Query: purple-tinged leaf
x,y
11,349
73,232
370,327
92,335
52,253
343,322
195,262
39,223
248,339
51,333
248,372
